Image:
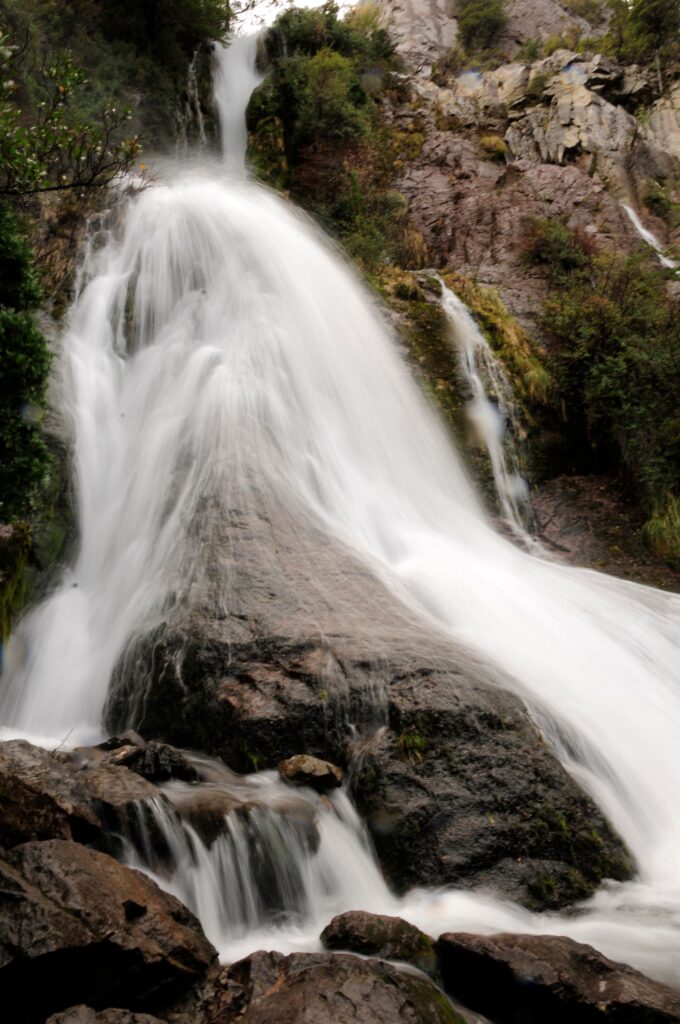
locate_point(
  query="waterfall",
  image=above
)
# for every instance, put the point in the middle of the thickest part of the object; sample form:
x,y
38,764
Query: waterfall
x,y
285,863
236,77
221,355
490,411
649,238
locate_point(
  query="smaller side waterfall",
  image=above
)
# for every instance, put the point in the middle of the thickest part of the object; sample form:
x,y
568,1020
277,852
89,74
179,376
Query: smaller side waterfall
x,y
236,76
647,236
490,411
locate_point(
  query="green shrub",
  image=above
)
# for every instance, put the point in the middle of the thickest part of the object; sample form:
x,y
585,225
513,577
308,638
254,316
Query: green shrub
x,y
555,247
659,201
480,22
493,147
24,367
316,127
616,338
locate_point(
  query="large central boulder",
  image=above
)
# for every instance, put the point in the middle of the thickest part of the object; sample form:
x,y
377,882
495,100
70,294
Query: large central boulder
x,y
309,653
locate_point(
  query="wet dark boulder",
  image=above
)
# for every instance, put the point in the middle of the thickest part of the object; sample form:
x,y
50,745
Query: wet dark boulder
x,y
78,927
315,654
325,988
41,797
533,979
86,1015
390,938
46,795
156,762
302,770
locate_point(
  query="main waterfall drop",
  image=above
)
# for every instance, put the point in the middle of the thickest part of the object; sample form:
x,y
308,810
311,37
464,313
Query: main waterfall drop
x,y
226,371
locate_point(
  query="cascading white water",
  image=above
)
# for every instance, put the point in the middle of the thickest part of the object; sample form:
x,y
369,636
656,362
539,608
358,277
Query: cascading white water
x,y
489,417
284,865
221,348
650,238
236,76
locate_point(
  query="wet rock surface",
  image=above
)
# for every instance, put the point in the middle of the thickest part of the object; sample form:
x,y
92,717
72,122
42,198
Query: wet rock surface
x,y
302,770
86,1015
77,926
538,978
586,520
390,938
47,795
445,764
325,988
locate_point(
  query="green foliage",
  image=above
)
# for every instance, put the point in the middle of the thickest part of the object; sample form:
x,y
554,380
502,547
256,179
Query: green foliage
x,y
480,22
592,11
493,147
58,149
412,746
659,200
135,54
640,29
616,336
24,367
316,128
555,247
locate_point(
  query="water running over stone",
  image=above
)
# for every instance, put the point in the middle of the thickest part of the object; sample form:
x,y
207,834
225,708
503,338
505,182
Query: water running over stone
x,y
649,238
226,368
490,411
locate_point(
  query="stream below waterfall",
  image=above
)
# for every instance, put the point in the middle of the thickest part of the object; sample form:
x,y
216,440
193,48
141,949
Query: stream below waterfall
x,y
219,347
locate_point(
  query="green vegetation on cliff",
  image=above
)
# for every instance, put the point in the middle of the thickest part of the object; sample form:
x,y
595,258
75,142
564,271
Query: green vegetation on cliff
x,y
135,53
616,331
317,129
24,366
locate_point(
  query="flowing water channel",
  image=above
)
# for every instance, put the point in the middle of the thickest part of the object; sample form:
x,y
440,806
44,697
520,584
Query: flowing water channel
x,y
220,346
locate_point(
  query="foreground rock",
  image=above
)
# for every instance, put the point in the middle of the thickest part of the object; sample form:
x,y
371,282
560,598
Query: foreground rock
x,y
315,654
86,1015
302,770
390,938
48,796
539,978
77,926
323,988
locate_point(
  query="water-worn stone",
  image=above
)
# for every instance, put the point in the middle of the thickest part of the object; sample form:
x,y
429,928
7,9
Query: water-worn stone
x,y
325,988
390,938
302,770
42,798
461,790
540,978
157,762
86,1015
78,927
51,796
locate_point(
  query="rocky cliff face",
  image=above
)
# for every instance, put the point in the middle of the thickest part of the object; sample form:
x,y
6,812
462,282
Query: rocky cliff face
x,y
557,138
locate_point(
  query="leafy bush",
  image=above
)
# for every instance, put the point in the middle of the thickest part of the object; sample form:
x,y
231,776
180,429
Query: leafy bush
x,y
616,335
493,147
640,29
24,366
316,127
480,21
58,150
561,251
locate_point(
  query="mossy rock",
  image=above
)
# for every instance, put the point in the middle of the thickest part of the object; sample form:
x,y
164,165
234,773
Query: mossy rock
x,y
390,938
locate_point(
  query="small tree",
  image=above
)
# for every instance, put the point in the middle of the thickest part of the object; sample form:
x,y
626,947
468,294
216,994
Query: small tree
x,y
480,21
57,149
